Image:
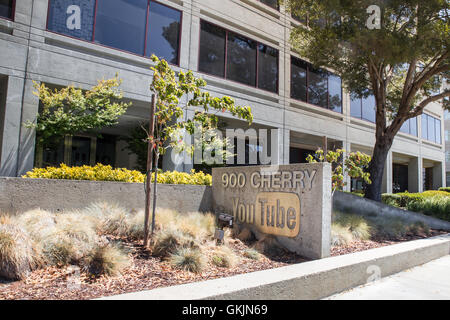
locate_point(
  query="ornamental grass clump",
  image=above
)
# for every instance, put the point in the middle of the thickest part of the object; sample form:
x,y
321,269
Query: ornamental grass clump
x,y
224,257
357,225
252,254
110,260
18,255
188,259
170,240
340,235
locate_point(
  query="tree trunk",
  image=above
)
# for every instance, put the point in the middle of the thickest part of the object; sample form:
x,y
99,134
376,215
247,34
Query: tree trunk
x,y
376,169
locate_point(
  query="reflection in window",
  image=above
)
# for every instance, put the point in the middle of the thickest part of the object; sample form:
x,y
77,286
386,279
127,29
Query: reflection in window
x,y
410,127
212,49
121,24
163,33
246,61
298,79
241,59
6,8
270,3
267,68
363,108
431,129
316,86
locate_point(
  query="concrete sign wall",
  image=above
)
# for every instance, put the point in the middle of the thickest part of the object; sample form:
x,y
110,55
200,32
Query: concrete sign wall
x,y
290,202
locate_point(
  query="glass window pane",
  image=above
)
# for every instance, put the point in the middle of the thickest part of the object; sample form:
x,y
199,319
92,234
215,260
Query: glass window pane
x,y
212,49
241,59
298,79
267,68
121,24
413,126
431,129
163,35
355,107
335,92
271,3
318,87
74,18
106,150
81,151
53,154
6,8
424,121
368,108
438,131
405,127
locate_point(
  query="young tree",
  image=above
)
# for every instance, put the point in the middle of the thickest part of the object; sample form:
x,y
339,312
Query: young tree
x,y
396,50
70,110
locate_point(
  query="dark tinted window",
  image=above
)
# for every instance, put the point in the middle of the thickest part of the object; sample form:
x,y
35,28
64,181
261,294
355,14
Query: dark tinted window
x,y
271,3
81,151
317,87
335,93
241,59
368,108
267,68
6,8
298,79
163,32
121,24
212,49
74,18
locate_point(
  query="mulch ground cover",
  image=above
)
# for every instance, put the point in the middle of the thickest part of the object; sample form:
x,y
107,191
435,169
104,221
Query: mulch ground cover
x,y
147,272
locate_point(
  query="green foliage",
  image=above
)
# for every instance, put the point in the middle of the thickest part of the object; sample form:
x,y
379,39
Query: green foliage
x,y
170,124
70,110
224,257
107,173
355,165
447,189
137,144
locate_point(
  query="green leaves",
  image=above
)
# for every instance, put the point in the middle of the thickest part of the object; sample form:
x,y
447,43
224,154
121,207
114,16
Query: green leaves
x,y
70,110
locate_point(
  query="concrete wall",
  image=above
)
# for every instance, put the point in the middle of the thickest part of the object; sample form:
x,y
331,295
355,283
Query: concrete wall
x,y
29,51
349,203
19,195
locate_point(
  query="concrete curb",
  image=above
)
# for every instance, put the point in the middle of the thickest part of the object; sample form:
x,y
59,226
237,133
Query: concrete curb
x,y
310,280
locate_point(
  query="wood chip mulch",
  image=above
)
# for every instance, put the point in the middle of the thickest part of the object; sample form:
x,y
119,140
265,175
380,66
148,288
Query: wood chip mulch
x,y
147,272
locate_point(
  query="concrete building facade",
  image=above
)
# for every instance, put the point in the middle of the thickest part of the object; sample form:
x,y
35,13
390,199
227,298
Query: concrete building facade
x,y
240,47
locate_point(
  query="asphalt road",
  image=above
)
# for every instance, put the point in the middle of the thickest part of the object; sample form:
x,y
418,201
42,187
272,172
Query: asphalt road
x,y
430,281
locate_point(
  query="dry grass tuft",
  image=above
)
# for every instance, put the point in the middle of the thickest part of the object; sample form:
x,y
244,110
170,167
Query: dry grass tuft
x,y
340,235
108,260
188,259
224,257
169,241
252,254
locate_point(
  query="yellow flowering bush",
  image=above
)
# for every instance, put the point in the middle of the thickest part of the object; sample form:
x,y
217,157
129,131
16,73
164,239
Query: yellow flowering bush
x,y
107,173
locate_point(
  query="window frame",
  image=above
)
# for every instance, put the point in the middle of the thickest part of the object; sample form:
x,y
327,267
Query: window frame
x,y
308,66
409,127
147,24
13,12
226,58
277,8
435,121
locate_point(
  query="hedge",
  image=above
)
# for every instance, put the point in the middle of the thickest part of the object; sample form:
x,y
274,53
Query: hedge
x,y
445,189
107,173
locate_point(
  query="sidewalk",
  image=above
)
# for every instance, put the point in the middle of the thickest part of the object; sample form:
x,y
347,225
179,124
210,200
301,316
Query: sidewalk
x,y
430,281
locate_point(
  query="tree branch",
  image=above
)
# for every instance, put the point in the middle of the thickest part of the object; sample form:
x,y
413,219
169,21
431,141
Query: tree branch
x,y
419,109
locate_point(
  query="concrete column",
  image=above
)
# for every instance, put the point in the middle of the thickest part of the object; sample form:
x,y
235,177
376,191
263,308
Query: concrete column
x,y
387,175
30,110
347,180
11,118
438,176
415,179
280,139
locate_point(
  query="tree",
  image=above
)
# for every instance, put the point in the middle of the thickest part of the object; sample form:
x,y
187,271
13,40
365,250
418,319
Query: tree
x,y
170,123
354,165
401,61
71,110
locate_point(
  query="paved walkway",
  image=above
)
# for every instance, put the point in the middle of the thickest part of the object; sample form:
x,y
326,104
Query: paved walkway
x,y
430,281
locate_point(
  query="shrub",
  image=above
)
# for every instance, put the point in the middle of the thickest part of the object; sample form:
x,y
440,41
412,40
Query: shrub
x,y
107,173
18,255
392,228
447,189
391,199
188,259
438,207
252,254
340,235
224,257
109,260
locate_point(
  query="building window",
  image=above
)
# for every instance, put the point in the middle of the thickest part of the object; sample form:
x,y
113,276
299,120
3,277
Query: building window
x,y
431,129
271,3
7,8
410,127
235,57
363,108
316,86
142,27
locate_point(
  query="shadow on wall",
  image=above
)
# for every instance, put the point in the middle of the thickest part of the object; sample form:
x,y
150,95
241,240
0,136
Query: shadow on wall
x,y
349,203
